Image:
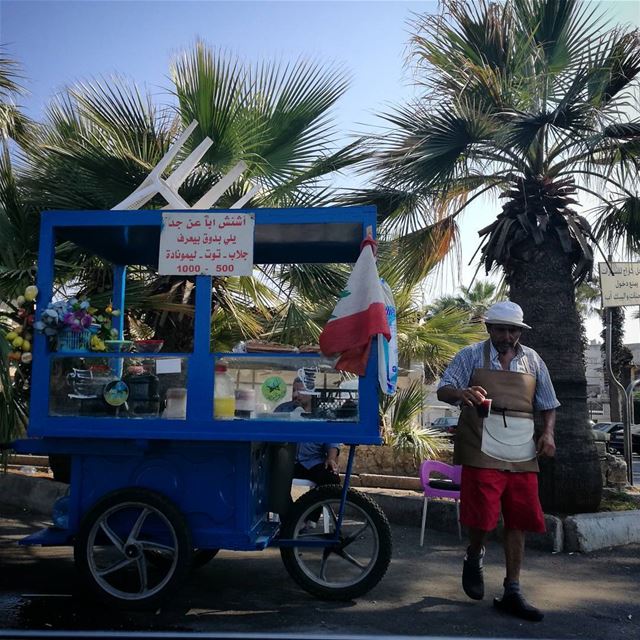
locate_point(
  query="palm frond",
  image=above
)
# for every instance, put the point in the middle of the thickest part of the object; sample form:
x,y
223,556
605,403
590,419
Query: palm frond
x,y
19,225
408,259
618,224
436,339
614,67
297,323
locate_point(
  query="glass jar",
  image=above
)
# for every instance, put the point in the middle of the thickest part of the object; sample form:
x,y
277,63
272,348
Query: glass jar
x,y
224,398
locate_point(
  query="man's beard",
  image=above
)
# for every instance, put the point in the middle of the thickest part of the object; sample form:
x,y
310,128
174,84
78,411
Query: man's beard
x,y
504,347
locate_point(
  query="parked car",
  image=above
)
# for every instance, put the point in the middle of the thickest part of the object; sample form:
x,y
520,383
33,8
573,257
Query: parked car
x,y
446,424
604,426
616,438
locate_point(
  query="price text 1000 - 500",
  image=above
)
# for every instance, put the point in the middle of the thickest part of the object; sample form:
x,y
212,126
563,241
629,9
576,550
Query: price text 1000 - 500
x,y
195,268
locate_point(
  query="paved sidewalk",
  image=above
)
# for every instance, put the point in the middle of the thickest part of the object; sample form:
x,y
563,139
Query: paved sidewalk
x,y
584,596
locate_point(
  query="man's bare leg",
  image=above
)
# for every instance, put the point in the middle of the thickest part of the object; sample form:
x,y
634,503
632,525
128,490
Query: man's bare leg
x,y
472,574
513,553
512,601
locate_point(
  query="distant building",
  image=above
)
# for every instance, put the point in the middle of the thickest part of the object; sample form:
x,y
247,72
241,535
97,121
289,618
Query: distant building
x,y
433,408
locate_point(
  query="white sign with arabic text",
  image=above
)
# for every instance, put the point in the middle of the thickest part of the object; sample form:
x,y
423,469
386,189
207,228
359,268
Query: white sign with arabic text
x,y
622,287
209,244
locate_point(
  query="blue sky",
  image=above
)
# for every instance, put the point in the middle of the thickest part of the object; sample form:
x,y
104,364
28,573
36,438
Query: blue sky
x,y
60,42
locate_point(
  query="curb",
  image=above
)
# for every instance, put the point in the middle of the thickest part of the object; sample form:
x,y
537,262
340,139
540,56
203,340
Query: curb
x,y
592,531
582,533
30,494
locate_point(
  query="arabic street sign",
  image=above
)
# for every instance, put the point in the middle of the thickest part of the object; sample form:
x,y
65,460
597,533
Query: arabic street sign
x,y
213,244
622,287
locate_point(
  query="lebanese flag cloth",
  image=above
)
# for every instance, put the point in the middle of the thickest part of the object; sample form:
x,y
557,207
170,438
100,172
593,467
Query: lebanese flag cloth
x,y
359,315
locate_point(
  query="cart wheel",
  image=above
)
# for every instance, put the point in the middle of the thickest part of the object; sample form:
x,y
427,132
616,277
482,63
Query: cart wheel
x,y
353,565
116,538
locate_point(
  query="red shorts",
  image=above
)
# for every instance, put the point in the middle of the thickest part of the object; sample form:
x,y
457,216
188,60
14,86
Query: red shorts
x,y
485,492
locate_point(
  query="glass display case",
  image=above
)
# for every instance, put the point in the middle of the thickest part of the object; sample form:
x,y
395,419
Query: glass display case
x,y
246,387
131,386
283,387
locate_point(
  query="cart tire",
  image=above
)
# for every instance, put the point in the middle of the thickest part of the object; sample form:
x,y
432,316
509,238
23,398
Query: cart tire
x,y
115,539
350,567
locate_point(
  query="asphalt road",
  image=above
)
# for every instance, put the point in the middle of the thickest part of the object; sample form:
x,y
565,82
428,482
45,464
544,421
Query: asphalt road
x,y
591,596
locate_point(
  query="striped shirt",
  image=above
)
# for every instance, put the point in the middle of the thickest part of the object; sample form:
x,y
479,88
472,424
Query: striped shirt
x,y
458,373
309,454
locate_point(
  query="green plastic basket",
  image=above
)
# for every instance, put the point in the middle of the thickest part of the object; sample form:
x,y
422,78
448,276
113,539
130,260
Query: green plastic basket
x,y
69,340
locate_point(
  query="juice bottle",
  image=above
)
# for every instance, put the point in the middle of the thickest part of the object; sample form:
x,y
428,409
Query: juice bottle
x,y
224,399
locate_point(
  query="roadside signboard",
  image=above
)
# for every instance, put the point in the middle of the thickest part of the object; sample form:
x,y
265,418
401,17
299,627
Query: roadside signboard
x,y
211,244
622,287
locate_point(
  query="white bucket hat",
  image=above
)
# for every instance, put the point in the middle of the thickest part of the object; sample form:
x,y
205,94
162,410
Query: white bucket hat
x,y
506,312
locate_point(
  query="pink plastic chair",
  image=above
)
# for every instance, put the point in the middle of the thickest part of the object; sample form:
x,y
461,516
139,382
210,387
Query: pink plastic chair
x,y
439,488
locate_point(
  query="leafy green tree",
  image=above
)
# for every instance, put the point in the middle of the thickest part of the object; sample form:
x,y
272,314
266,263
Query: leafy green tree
x,y
475,300
533,101
101,138
400,419
18,248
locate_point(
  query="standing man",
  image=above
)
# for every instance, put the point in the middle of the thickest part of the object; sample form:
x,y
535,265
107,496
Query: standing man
x,y
498,451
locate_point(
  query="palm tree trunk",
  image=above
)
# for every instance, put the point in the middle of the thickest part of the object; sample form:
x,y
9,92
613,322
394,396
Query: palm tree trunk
x,y
571,482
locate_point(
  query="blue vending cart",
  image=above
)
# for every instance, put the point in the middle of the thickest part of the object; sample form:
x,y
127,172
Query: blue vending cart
x,y
158,484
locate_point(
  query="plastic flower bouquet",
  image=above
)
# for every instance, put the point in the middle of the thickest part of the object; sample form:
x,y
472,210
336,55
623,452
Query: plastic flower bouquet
x,y
69,321
105,330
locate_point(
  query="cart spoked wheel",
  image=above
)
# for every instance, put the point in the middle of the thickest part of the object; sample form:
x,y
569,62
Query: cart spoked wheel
x,y
116,540
349,567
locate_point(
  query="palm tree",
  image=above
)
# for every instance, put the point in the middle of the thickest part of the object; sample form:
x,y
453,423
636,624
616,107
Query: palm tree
x,y
531,100
400,417
101,138
475,300
18,247
13,123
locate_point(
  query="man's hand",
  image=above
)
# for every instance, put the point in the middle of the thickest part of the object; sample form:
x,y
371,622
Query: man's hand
x,y
546,445
472,396
332,460
332,464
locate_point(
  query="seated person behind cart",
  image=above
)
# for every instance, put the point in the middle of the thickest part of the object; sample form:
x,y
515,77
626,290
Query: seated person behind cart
x,y
315,461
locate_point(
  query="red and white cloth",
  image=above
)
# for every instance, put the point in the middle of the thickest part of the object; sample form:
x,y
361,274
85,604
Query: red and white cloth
x,y
359,315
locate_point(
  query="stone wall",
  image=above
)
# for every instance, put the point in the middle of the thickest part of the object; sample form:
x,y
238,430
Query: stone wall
x,y
614,471
386,461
